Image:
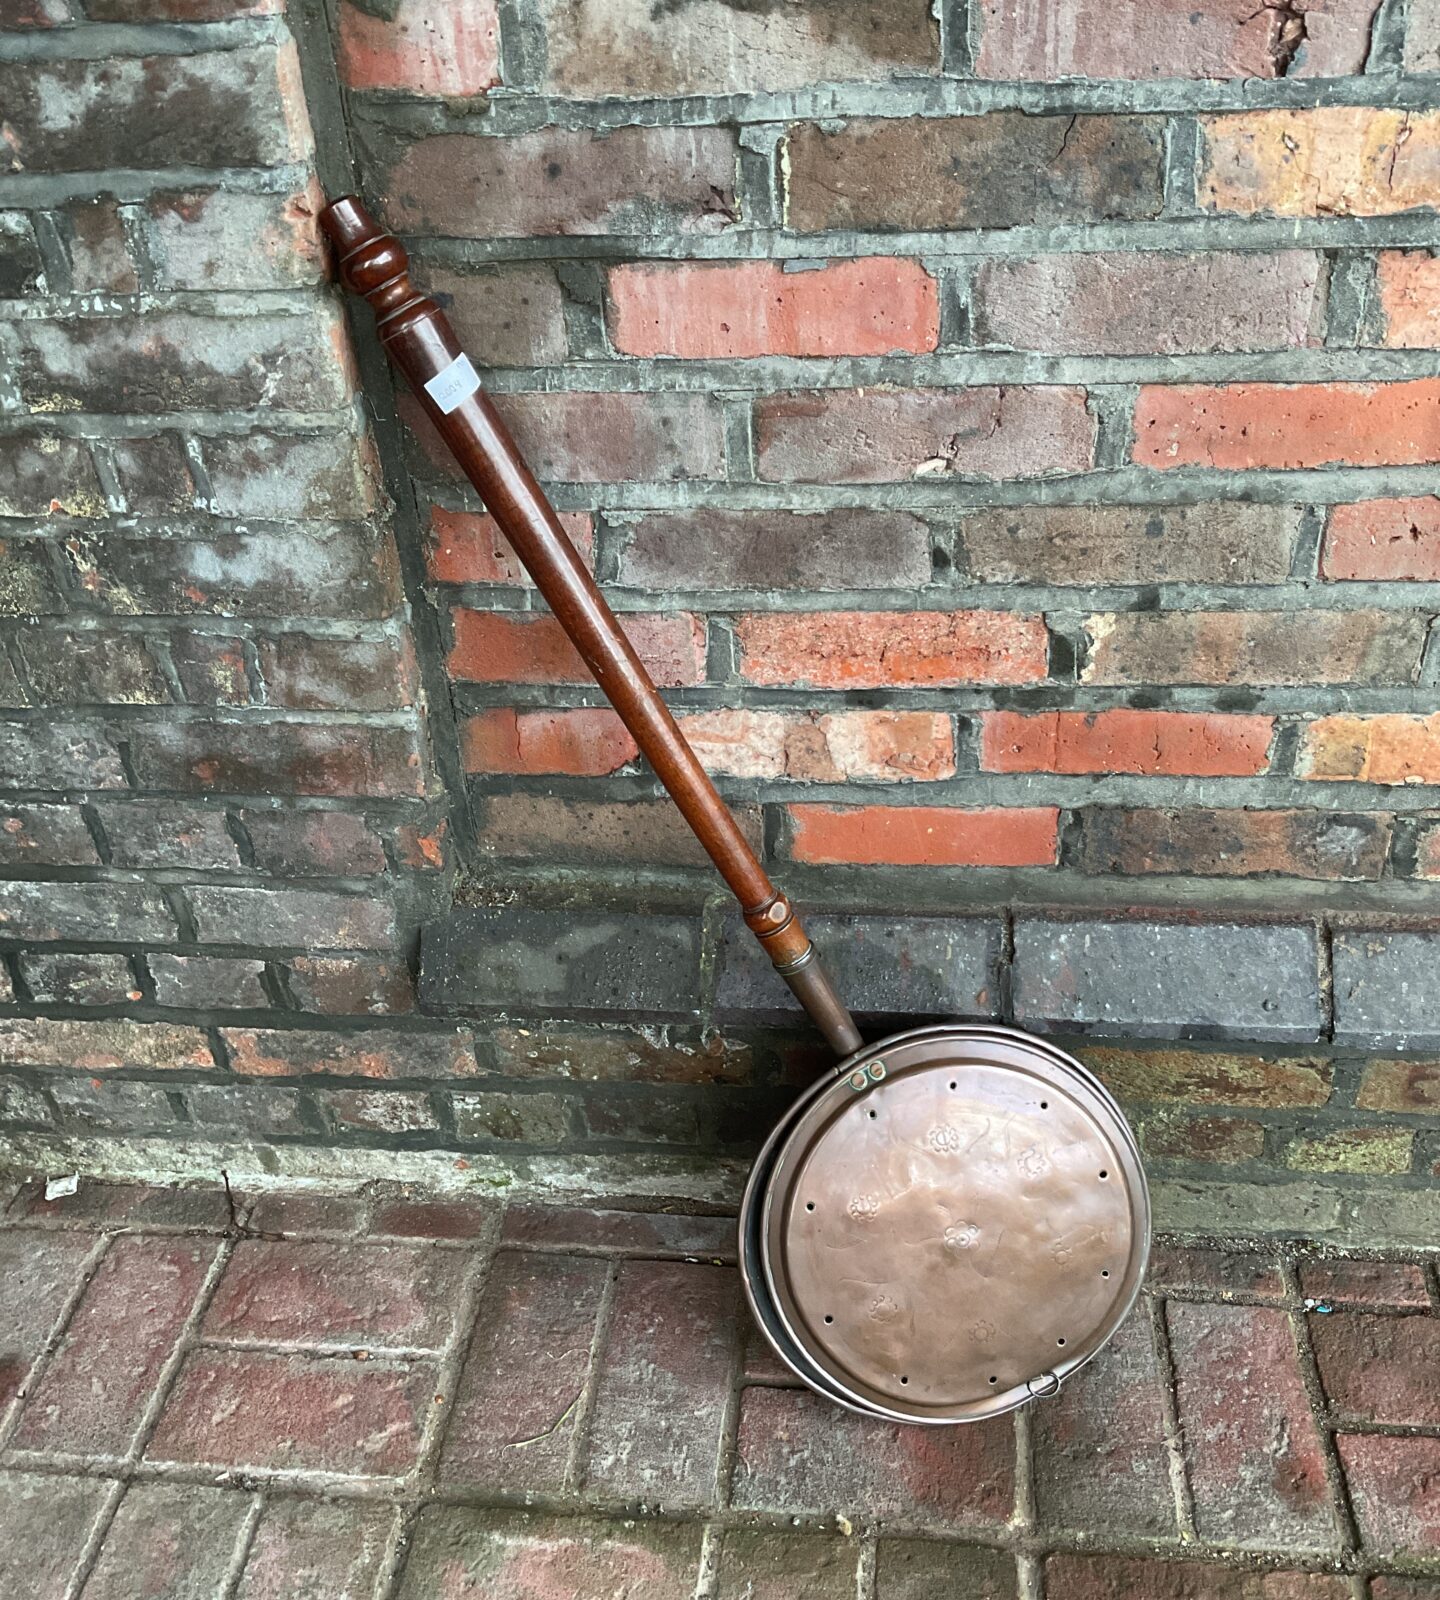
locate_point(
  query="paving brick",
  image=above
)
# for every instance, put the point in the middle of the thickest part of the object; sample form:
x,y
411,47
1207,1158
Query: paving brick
x,y
507,1430
134,1205
661,1396
169,1543
155,475
1076,1577
1100,1454
781,1566
277,1214
1150,979
1383,1151
522,959
1215,1272
511,316
305,673
1403,1589
89,667
372,1053
1253,1451
433,1219
282,475
460,1554
44,1522
1002,170
638,1233
1384,993
211,668
916,1569
295,1413
1383,541
1378,1368
39,1271
46,474
1392,1489
22,1103
1369,1283
168,833
305,1548
93,1394
800,1455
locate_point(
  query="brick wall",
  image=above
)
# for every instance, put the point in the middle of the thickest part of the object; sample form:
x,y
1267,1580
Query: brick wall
x,y
1011,435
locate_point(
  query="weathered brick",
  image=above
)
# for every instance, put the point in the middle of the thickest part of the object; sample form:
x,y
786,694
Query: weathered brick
x,y
21,270
1385,541
217,239
101,1105
924,836
94,1392
205,981
499,647
798,1454
40,1272
600,48
109,1205
1158,980
45,835
90,666
463,1554
279,476
154,473
711,548
1380,1369
168,833
468,547
516,958
920,1569
291,1412
1385,993
1392,748
512,316
588,741
1223,1141
1079,1577
170,1541
1383,1151
1323,161
84,911
1236,843
303,844
44,474
861,650
178,10
95,979
1264,647
1371,1283
655,1234
1145,302
22,1102
422,47
304,917
867,307
1100,1454
302,1545
373,1053
1392,1489
1422,38
886,435
1403,1085
1175,743
27,581
384,1111
1211,1078
47,1521
305,673
433,1219
506,1431
772,1566
351,985
244,1109
1002,170
548,828
1409,283
1286,426
619,1055
301,758
1224,542
232,108
211,668
1255,1460
536,1119
673,1114
565,181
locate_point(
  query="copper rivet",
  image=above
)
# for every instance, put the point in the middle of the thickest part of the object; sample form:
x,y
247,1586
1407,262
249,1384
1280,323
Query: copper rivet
x,y
858,1080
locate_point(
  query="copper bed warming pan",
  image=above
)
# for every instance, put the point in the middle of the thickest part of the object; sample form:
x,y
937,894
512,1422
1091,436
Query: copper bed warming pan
x,y
955,1218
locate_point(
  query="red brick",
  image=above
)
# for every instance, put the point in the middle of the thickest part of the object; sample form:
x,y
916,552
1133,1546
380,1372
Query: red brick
x,y
876,650
564,181
275,1215
584,742
211,668
511,316
527,827
1402,1589
893,435
1266,647
323,1294
427,47
799,1454
1246,425
868,307
507,1430
1255,1460
1371,1283
46,1521
1409,282
1403,1085
167,833
1392,1488
1149,301
433,1219
167,1542
1235,843
101,1046
1379,1369
1129,1578
1003,170
1383,541
295,1413
1391,748
460,1554
660,1401
468,547
45,835
1354,161
373,1053
640,1233
1100,1455
1223,1141
91,667
93,1394
39,1272
1201,744
107,1205
305,1547
301,758
1215,1272
351,985
823,748
779,1566
923,1569
79,980
500,647
194,238
925,836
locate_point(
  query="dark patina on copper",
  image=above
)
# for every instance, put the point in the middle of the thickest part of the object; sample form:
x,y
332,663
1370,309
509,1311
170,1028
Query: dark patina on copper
x,y
957,1217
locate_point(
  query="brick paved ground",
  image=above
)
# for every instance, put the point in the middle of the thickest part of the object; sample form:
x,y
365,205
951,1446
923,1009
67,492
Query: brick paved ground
x,y
322,1398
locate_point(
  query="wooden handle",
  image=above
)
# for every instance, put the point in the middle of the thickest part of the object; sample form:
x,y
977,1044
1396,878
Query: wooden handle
x,y
418,336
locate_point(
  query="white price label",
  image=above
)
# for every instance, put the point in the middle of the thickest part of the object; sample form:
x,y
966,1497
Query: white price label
x,y
458,382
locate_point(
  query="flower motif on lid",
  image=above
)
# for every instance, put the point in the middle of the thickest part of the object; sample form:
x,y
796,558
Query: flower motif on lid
x,y
962,1236
1032,1162
945,1139
864,1207
883,1309
982,1332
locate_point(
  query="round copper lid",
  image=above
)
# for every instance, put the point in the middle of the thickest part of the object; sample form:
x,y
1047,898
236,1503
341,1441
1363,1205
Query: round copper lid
x,y
955,1224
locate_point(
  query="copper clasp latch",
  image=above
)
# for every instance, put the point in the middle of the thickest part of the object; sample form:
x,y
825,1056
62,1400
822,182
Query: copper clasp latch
x,y
1044,1386
863,1077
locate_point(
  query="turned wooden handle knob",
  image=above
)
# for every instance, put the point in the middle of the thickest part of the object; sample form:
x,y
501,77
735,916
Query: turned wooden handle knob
x,y
372,261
